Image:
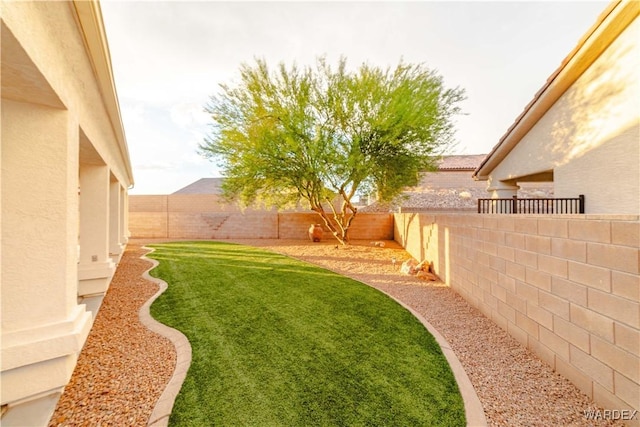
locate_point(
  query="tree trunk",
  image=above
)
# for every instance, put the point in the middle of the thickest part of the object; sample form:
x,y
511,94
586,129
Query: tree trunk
x,y
339,233
339,225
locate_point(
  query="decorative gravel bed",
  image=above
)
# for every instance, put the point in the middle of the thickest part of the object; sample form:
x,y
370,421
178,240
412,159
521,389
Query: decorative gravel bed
x,y
123,368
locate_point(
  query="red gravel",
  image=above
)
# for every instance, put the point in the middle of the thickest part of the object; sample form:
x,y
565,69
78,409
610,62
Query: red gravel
x,y
123,367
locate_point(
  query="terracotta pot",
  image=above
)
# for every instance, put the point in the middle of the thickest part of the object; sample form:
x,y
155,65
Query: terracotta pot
x,y
315,232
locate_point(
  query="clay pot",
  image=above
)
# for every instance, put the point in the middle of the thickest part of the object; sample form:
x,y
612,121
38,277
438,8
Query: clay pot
x,y
315,232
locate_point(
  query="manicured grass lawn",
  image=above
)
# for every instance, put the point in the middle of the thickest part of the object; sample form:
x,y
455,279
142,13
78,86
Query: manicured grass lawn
x,y
279,342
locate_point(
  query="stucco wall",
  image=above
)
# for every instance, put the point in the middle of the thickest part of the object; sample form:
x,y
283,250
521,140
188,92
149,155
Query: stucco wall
x,y
48,33
566,287
179,216
589,137
64,179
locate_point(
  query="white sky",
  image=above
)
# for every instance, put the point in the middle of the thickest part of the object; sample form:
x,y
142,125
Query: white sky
x,y
169,57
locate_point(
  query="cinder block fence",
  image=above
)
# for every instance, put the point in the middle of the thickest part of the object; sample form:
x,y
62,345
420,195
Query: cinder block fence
x,y
566,287
182,216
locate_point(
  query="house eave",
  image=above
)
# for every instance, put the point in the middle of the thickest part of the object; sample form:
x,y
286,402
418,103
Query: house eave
x,y
90,20
611,22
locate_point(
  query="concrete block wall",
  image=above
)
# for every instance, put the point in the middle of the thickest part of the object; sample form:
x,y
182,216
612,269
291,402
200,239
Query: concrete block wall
x,y
296,225
148,216
566,287
203,217
148,203
206,203
216,225
366,226
195,203
148,225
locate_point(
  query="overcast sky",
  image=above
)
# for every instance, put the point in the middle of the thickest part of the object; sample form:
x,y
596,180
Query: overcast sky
x,y
169,57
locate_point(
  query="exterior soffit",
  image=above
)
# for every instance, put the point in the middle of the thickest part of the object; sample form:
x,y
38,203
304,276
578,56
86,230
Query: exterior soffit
x,y
88,155
21,79
545,176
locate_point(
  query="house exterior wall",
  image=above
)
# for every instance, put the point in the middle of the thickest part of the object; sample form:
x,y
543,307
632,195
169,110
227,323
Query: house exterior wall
x,y
589,136
566,287
61,143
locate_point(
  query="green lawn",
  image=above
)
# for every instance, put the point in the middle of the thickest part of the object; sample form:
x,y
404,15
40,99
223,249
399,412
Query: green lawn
x,y
279,342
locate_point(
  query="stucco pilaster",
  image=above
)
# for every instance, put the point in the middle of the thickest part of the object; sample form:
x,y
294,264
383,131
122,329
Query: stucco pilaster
x,y
96,267
124,215
56,80
43,327
115,221
502,190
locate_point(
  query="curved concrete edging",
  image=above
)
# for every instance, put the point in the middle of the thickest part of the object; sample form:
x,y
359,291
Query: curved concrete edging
x,y
164,405
473,410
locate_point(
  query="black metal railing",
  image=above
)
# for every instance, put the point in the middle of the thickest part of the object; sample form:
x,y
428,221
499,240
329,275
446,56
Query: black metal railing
x,y
515,205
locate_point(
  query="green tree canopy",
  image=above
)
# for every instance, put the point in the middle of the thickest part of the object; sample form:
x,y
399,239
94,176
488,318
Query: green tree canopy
x,y
323,134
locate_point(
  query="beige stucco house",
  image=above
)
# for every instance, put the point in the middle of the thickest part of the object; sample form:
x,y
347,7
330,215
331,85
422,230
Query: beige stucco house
x,y
64,182
582,129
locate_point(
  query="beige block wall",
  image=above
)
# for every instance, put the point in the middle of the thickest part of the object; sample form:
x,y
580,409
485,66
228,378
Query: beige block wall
x,y
148,203
204,217
149,225
366,226
566,287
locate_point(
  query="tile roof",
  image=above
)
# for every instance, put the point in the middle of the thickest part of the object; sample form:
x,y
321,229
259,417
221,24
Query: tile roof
x,y
203,186
461,162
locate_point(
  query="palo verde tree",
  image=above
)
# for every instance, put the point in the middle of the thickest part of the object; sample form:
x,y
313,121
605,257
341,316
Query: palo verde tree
x,y
324,135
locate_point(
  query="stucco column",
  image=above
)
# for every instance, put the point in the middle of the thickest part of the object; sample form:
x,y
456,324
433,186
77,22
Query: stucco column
x,y
96,267
43,327
124,217
502,190
115,221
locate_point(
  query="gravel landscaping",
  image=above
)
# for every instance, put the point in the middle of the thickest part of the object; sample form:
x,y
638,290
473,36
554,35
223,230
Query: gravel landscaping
x,y
123,367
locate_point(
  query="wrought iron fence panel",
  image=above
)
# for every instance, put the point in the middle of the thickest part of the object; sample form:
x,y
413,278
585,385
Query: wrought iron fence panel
x,y
516,205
